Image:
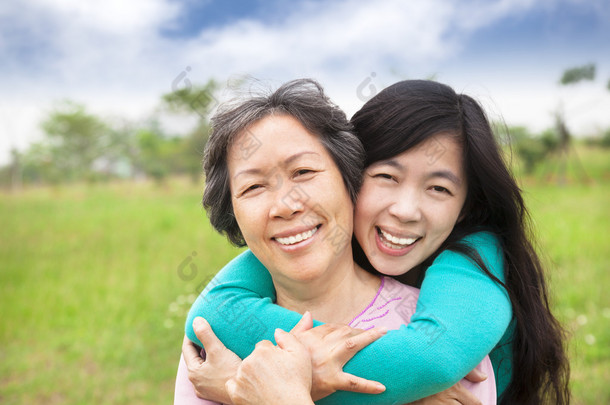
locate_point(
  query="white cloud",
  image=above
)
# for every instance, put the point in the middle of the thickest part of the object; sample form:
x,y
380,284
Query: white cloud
x,y
112,55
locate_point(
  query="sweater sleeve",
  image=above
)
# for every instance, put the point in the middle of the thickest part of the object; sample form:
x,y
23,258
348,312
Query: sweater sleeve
x,y
461,315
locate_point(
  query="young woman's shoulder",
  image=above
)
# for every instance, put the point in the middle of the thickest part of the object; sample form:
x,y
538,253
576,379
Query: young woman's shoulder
x,y
485,244
485,238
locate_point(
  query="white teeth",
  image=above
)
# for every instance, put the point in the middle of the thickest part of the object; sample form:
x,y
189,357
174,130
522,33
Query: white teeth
x,y
396,242
291,240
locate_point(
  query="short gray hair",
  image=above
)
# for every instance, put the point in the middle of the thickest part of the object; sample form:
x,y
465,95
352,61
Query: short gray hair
x,y
303,99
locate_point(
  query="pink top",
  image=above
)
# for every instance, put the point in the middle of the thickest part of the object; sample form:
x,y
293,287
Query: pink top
x,y
392,307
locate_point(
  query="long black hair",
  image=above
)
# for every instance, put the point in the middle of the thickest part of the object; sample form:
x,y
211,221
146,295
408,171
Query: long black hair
x,y
409,112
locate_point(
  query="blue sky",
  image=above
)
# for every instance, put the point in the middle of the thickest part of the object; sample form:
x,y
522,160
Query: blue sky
x,y
119,57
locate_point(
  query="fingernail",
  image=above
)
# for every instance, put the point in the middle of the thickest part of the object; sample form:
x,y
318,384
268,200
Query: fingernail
x,y
380,387
382,330
198,321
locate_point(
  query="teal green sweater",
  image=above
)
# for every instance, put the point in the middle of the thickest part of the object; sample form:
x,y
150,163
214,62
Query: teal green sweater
x,y
462,315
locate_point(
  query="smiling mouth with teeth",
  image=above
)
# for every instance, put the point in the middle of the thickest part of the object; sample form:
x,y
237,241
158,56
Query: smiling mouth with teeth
x,y
291,240
394,242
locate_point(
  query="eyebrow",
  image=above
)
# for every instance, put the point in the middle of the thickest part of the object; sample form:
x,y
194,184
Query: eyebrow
x,y
446,174
286,162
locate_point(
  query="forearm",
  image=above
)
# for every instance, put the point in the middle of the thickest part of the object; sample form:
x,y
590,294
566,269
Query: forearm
x,y
451,332
461,315
238,304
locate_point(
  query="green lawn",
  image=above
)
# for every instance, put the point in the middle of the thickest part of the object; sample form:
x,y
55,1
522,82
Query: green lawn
x,y
95,282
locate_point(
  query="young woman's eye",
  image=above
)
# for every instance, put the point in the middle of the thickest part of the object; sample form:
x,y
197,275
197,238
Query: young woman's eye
x,y
440,189
383,176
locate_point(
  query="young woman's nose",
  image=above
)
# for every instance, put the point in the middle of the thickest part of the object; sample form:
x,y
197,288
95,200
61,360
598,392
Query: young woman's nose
x,y
406,207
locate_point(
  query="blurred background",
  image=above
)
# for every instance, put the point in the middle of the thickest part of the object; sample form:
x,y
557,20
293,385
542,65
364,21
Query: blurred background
x,y
104,114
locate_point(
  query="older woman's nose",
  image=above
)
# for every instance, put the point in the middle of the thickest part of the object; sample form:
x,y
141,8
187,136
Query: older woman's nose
x,y
287,201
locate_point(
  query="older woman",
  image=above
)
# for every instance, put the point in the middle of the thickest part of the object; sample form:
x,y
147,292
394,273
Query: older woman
x,y
282,175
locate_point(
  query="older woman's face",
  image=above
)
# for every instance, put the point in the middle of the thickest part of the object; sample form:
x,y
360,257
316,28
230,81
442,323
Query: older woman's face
x,y
289,199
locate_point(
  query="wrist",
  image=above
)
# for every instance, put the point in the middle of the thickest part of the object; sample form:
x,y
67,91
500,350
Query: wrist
x,y
297,397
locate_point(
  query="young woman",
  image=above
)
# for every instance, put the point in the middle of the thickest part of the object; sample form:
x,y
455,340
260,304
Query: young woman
x,y
483,286
291,201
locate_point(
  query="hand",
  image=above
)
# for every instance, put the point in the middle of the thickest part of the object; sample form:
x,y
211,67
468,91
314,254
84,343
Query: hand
x,y
209,376
456,394
274,374
330,347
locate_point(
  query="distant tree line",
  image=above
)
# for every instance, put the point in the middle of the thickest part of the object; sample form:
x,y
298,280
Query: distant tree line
x,y
80,146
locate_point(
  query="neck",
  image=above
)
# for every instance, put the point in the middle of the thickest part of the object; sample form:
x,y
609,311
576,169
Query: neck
x,y
337,298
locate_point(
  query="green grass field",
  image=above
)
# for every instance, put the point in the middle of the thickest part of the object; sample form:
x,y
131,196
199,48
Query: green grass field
x,y
95,281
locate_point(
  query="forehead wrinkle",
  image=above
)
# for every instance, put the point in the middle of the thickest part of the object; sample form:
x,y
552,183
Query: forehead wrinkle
x,y
290,159
389,162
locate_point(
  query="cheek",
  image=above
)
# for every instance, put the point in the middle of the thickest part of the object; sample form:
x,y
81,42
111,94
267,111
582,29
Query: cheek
x,y
248,218
449,219
363,215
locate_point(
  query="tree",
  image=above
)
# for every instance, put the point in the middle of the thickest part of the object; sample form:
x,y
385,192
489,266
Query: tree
x,y
76,139
577,74
570,77
192,100
532,149
150,160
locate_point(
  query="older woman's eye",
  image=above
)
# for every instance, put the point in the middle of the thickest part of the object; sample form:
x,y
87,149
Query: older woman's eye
x,y
251,188
303,172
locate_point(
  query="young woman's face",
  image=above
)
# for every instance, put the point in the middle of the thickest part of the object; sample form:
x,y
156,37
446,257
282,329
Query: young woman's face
x,y
290,200
409,204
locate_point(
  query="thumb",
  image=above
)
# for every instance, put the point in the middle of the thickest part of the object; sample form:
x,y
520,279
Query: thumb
x,y
286,341
476,375
206,335
304,324
231,387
